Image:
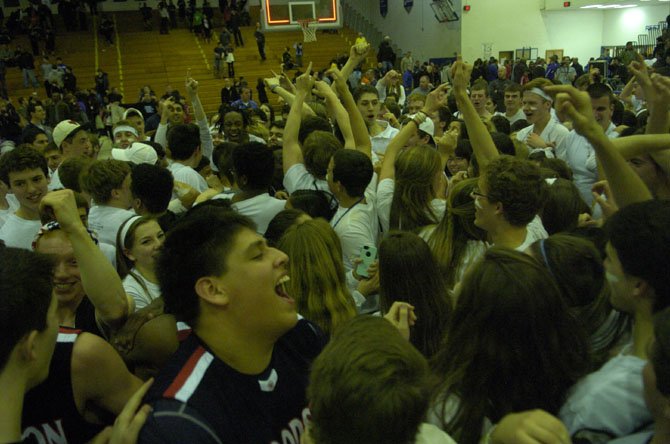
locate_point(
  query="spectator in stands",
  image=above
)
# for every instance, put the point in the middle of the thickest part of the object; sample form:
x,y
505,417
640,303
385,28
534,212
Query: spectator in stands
x,y
424,86
244,102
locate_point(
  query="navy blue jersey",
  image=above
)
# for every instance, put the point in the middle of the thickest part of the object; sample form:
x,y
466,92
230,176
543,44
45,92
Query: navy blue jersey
x,y
49,410
198,398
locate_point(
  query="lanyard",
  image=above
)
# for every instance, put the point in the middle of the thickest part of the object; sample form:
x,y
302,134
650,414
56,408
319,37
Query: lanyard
x,y
348,209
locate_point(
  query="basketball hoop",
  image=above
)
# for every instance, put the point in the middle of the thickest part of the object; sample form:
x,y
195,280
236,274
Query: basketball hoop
x,y
308,32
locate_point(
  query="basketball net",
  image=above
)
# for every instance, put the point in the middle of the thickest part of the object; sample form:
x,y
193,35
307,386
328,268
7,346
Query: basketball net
x,y
309,33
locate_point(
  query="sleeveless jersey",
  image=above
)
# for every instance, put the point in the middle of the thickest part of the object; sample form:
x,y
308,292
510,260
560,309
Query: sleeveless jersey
x,y
199,398
49,410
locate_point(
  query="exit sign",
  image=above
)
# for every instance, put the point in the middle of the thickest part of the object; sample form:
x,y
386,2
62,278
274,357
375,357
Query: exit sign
x,y
566,4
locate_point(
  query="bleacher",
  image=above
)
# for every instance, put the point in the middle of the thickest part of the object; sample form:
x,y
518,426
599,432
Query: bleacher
x,y
142,57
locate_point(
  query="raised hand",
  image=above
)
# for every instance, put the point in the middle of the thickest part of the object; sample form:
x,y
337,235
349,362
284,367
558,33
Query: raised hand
x,y
191,84
305,82
436,99
359,52
460,75
577,106
61,206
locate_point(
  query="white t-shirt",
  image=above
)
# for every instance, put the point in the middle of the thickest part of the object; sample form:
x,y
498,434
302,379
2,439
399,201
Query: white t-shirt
x,y
534,232
519,115
134,288
54,182
553,132
11,209
105,221
430,434
610,399
187,175
19,233
261,209
355,226
298,178
385,198
579,154
381,140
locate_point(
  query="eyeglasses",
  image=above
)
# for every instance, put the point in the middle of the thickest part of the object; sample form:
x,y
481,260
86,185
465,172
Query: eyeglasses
x,y
475,193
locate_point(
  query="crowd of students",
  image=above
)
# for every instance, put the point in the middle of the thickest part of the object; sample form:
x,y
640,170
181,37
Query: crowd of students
x,y
377,265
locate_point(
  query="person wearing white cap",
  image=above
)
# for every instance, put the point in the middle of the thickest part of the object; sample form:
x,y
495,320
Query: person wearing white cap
x,y
72,140
544,133
136,153
124,134
135,118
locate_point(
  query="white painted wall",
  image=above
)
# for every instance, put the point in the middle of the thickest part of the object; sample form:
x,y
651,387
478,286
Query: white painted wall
x,y
508,25
513,24
577,33
622,25
417,31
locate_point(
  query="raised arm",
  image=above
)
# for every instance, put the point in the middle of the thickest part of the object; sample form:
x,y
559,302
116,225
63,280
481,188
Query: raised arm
x,y
291,151
633,146
657,93
167,109
275,86
357,54
434,100
98,277
359,129
482,143
336,111
206,142
626,185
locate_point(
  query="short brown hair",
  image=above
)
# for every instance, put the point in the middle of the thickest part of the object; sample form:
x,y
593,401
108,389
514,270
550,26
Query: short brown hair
x,y
518,185
103,176
368,385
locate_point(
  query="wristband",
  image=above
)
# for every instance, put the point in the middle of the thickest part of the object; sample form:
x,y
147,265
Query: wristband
x,y
273,88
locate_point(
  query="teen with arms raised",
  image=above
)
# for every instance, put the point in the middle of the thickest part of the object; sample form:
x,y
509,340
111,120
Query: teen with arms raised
x,y
411,184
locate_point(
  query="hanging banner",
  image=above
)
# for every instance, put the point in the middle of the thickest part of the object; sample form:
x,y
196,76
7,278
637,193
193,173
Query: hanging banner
x,y
408,5
383,7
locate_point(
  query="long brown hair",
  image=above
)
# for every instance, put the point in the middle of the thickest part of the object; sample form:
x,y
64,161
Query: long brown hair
x,y
408,273
511,345
415,172
316,270
448,241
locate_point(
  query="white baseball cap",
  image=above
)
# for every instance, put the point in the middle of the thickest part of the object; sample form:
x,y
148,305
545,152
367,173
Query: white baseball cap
x,y
137,153
63,130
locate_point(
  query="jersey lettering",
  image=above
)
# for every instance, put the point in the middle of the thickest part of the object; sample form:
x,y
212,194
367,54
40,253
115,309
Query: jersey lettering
x,y
296,428
48,435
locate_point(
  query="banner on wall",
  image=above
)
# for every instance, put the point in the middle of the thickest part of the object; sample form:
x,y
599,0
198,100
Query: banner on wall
x,y
408,5
383,7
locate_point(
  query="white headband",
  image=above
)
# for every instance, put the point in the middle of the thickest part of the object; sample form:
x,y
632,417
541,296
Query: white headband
x,y
541,93
126,227
128,128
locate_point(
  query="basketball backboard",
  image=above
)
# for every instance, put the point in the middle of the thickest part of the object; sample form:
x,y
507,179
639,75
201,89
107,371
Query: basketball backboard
x,y
283,15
